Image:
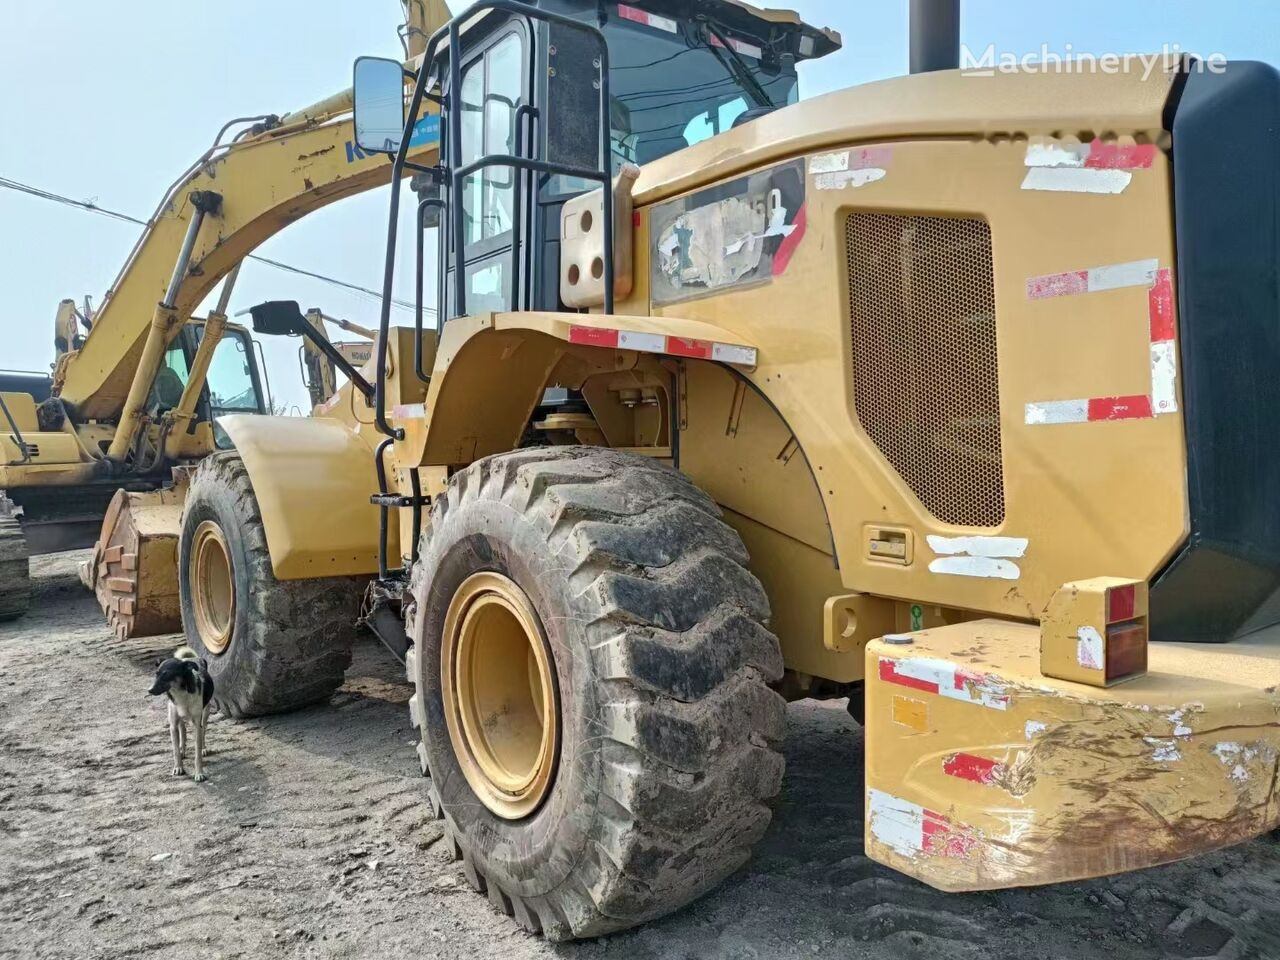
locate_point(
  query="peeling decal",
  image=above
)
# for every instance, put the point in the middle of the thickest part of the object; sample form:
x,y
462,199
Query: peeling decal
x,y
911,830
978,556
732,353
829,162
861,158
1140,273
976,567
848,178
1162,324
1165,751
1051,153
1069,166
944,679
1089,649
1068,180
1033,729
778,227
727,236
409,411
967,766
1015,547
1238,756
1180,729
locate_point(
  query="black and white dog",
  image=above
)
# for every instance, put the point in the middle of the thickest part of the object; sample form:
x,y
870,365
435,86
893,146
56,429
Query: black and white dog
x,y
184,679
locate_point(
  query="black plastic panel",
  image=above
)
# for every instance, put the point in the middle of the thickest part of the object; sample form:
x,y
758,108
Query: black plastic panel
x,y
1226,154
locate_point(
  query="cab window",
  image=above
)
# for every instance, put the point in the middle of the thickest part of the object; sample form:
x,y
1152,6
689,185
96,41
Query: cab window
x,y
492,89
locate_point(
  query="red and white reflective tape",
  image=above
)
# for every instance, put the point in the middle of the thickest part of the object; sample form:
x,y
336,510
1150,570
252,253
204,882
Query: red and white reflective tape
x,y
741,46
409,411
657,343
945,679
911,830
1140,273
1095,167
968,766
636,15
1162,326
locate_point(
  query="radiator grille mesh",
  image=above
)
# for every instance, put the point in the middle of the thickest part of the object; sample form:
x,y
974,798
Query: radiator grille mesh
x,y
925,376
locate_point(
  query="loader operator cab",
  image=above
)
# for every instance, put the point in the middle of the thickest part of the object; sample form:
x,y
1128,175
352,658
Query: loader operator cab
x,y
679,72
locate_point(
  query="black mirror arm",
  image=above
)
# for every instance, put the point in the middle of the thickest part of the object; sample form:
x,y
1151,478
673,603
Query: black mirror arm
x,y
339,361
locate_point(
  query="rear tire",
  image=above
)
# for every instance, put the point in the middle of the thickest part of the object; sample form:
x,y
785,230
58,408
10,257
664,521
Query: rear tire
x,y
668,733
276,644
15,572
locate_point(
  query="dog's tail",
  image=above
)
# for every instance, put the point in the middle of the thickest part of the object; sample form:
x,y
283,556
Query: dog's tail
x,y
185,653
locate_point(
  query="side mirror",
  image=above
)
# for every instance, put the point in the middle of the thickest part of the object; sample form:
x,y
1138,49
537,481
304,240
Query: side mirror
x,y
377,92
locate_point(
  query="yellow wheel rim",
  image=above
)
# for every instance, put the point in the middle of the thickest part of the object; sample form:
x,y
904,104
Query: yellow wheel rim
x,y
499,695
213,591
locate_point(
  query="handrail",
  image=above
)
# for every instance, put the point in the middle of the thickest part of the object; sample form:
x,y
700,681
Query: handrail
x,y
427,203
451,114
17,435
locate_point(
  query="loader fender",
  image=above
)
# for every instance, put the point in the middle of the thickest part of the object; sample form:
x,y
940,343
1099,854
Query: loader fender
x,y
507,359
313,478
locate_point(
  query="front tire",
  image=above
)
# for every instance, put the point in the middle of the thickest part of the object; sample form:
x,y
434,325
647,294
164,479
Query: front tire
x,y
271,645
666,731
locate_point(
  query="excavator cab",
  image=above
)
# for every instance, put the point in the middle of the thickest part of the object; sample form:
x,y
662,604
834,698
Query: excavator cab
x,y
235,383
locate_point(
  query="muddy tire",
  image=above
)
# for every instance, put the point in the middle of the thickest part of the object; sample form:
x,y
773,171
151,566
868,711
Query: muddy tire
x,y
668,736
15,574
283,643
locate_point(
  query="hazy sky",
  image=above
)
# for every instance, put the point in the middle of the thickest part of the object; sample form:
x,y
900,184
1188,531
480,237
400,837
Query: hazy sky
x,y
109,101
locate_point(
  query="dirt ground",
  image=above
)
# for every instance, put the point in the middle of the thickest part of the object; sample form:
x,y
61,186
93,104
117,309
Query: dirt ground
x,y
311,839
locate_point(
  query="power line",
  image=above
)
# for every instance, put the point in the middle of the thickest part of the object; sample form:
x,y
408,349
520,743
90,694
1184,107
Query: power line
x,y
90,207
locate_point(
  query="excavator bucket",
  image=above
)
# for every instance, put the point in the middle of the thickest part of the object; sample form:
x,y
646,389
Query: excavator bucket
x,y
134,567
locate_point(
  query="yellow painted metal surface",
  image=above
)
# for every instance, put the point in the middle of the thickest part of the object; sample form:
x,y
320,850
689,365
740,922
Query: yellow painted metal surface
x,y
931,106
22,408
507,359
982,773
313,478
1105,498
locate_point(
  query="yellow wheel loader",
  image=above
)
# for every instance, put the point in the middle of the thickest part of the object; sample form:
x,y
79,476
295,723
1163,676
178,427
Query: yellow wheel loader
x,y
950,394
99,453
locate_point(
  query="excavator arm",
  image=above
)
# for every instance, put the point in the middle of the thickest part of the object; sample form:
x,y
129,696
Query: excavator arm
x,y
265,183
276,172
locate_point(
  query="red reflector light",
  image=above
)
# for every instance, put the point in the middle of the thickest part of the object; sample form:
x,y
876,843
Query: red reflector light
x,y
1121,603
1126,650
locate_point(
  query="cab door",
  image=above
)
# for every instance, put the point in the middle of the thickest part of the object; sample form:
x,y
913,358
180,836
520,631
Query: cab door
x,y
495,85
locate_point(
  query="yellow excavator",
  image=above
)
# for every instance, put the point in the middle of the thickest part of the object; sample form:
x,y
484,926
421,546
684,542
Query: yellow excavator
x,y
138,385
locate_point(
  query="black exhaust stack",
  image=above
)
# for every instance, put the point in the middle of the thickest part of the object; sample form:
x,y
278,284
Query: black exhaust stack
x,y
935,35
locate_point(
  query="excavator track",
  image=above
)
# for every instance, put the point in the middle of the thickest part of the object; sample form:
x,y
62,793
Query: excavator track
x,y
15,575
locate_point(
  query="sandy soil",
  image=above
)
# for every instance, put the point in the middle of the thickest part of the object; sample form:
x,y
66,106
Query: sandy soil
x,y
311,839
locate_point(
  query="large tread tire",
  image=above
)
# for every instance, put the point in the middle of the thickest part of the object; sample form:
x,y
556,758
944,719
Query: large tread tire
x,y
291,640
15,571
670,733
